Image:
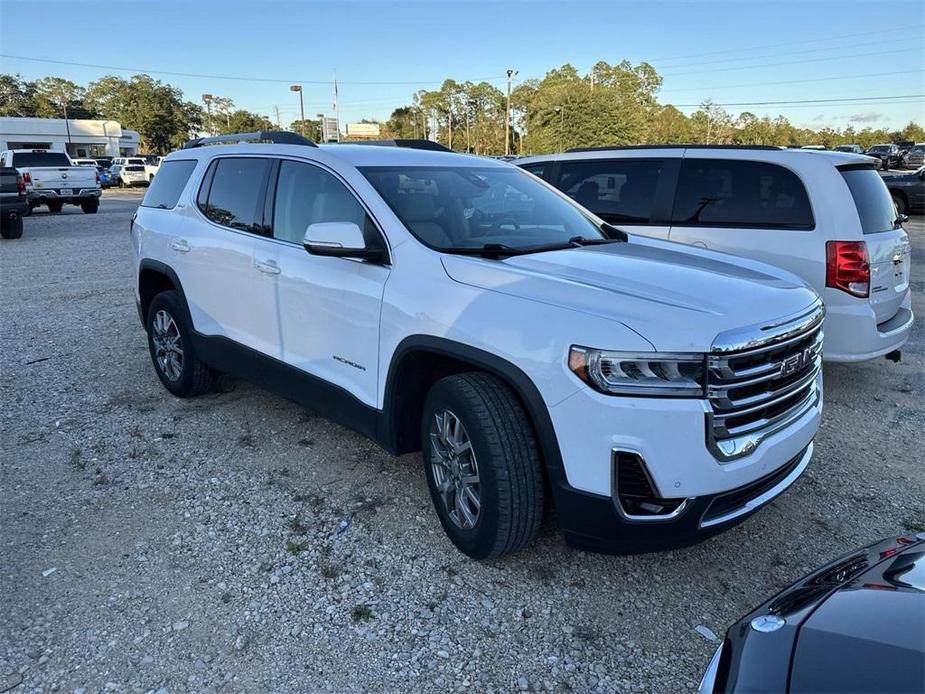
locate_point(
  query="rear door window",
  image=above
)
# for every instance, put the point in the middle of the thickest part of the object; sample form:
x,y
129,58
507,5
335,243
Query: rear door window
x,y
736,193
871,198
235,196
616,190
170,181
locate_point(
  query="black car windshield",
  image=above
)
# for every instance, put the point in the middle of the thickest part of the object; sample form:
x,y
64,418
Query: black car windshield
x,y
879,148
455,208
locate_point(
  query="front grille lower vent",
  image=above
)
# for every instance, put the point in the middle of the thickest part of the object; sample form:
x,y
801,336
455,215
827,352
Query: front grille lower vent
x,y
636,494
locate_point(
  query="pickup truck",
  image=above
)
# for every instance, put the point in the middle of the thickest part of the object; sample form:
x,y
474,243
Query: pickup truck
x,y
51,179
13,203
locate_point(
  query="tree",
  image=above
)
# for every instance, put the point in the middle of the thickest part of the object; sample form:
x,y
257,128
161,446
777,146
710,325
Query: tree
x,y
242,121
156,110
16,96
312,129
54,96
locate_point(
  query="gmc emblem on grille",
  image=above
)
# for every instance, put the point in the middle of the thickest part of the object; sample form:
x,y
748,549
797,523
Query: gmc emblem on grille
x,y
794,363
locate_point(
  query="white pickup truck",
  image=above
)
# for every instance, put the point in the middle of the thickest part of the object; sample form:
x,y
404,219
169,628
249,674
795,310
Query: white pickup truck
x,y
51,179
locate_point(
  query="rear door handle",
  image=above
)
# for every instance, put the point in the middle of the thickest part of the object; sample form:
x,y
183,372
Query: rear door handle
x,y
180,245
268,267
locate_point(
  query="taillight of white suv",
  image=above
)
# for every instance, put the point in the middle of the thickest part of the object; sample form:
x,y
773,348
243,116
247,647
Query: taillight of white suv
x,y
847,267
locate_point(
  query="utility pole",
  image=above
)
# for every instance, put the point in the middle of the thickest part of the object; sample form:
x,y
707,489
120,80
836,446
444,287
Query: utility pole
x,y
207,99
298,88
278,126
507,114
320,127
67,126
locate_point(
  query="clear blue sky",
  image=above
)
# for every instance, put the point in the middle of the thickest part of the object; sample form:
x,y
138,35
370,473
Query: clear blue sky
x,y
731,52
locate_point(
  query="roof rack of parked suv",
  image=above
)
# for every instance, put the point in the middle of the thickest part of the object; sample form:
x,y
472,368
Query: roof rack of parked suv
x,y
678,146
402,142
276,137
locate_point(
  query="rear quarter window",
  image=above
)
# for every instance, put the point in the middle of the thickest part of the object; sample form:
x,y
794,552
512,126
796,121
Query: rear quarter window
x,y
871,198
171,179
738,193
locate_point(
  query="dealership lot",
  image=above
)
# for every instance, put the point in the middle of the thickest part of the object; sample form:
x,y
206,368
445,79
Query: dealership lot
x,y
237,541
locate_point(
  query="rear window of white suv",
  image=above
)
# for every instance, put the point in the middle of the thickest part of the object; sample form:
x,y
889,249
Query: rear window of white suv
x,y
871,198
165,189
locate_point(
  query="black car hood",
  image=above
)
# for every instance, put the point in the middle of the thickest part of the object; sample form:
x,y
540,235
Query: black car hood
x,y
869,635
855,625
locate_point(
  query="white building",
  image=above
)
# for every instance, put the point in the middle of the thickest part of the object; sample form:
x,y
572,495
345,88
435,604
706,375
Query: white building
x,y
79,138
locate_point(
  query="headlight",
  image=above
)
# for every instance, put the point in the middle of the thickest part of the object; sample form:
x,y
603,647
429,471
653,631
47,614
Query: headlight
x,y
640,373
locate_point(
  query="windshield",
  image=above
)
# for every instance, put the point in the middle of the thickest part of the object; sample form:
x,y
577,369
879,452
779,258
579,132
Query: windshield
x,y
468,208
134,168
879,148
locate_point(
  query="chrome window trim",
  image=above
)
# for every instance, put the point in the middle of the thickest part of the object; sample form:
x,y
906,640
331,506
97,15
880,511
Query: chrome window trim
x,y
751,338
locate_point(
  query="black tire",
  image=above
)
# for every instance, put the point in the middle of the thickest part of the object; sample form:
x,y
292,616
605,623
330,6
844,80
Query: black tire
x,y
55,206
508,464
11,228
194,378
90,206
902,206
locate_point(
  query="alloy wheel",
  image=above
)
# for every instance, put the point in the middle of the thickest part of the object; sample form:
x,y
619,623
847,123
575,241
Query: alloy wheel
x,y
455,469
168,348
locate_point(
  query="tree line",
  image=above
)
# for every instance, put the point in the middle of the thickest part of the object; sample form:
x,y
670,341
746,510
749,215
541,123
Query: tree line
x,y
612,104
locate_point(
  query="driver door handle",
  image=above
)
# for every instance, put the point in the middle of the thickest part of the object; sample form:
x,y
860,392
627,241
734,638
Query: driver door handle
x,y
268,267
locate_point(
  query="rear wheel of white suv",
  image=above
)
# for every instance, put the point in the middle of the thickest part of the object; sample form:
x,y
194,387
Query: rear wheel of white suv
x,y
171,347
482,465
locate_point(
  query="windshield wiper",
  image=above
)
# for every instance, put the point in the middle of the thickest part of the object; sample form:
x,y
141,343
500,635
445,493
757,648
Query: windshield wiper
x,y
498,250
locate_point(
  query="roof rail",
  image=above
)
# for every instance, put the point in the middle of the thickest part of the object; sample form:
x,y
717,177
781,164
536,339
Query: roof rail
x,y
402,142
276,137
677,146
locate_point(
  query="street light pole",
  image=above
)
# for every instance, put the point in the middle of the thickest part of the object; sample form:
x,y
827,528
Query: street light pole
x,y
298,88
207,99
507,114
320,126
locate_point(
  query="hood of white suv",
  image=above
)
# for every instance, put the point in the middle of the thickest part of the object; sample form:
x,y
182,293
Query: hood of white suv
x,y
677,297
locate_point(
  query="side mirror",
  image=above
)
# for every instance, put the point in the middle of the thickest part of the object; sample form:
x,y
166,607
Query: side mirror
x,y
340,240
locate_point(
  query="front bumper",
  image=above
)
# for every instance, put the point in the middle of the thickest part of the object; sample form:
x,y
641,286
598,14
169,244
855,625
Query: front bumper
x,y
669,436
852,333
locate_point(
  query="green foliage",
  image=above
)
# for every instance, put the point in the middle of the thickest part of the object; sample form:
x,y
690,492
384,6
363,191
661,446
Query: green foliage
x,y
156,110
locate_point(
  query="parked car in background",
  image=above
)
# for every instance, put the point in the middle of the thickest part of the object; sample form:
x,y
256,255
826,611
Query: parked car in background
x,y
105,162
134,161
663,392
855,625
916,156
850,149
825,216
152,165
907,190
85,162
106,180
14,204
815,147
889,155
128,175
905,146
51,179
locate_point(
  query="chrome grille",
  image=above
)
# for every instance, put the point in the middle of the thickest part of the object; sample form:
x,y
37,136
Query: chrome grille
x,y
761,382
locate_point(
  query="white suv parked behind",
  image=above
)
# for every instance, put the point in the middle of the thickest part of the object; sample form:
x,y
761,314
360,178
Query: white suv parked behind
x,y
825,216
457,305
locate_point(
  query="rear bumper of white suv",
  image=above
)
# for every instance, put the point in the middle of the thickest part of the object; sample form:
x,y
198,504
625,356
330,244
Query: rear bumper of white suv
x,y
852,333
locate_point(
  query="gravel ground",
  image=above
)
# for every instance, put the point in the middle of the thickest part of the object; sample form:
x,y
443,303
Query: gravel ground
x,y
236,542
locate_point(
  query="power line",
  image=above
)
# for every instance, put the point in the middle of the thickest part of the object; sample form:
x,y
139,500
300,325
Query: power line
x,y
224,77
815,79
861,99
793,62
839,37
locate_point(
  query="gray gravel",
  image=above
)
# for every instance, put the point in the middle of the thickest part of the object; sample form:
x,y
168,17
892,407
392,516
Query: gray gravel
x,y
237,542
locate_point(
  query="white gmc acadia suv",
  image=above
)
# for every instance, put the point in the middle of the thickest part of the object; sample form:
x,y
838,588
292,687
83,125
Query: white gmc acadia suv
x,y
458,305
825,216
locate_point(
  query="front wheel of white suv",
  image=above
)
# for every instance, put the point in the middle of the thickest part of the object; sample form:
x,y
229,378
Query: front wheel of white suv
x,y
171,347
482,464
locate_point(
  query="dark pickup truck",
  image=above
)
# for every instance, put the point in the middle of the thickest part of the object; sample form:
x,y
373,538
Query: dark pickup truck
x,y
13,203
